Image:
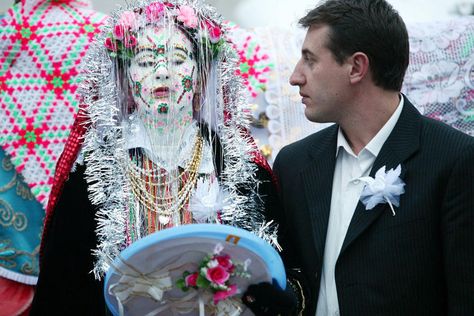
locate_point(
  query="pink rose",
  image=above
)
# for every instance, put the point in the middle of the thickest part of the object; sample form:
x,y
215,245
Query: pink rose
x,y
187,16
191,280
128,20
110,44
215,32
225,262
118,32
222,295
154,11
217,275
130,41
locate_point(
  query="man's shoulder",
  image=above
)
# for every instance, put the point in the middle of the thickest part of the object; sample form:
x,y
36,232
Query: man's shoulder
x,y
439,133
302,149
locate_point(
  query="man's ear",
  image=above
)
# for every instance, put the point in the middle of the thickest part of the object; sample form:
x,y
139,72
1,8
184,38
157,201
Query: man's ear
x,y
359,67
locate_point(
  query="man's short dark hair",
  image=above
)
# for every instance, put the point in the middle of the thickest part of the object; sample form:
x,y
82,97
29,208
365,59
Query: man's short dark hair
x,y
369,26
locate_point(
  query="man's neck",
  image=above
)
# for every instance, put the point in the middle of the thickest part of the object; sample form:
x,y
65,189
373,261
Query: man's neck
x,y
369,113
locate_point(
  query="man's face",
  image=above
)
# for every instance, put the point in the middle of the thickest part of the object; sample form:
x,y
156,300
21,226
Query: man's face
x,y
162,78
322,81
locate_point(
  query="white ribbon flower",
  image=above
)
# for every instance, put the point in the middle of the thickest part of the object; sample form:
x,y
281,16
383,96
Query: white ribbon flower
x,y
386,187
207,199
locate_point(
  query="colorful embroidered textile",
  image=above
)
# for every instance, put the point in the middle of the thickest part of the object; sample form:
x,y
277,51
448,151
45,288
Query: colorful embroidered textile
x,y
42,45
254,61
20,226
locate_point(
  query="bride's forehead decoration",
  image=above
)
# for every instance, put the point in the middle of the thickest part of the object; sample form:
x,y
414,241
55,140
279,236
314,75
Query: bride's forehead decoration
x,y
206,32
218,105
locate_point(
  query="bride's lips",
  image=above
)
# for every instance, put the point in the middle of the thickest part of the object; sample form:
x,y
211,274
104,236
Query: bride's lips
x,y
162,92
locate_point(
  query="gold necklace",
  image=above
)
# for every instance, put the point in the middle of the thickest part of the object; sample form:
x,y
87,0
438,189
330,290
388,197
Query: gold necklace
x,y
167,206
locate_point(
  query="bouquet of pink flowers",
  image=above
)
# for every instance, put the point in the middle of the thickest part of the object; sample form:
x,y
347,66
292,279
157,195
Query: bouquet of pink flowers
x,y
214,274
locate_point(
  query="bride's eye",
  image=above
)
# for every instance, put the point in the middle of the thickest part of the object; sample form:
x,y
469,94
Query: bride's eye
x,y
146,63
178,58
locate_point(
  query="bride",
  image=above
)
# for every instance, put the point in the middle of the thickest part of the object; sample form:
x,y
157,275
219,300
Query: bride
x,y
161,141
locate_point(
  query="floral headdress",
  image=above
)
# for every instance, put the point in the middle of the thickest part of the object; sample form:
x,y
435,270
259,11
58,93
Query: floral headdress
x,y
122,40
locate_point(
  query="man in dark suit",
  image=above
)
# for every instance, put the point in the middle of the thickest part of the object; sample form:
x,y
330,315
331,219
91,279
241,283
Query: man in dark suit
x,y
411,254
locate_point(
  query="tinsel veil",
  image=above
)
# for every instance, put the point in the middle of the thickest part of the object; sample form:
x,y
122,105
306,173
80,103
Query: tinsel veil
x,y
221,117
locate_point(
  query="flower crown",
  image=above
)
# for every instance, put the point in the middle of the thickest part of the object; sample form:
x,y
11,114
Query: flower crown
x,y
123,39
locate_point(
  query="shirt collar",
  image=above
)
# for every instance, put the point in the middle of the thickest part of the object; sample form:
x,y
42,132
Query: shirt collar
x,y
375,145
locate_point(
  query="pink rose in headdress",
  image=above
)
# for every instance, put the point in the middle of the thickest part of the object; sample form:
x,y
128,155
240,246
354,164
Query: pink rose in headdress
x,y
191,280
110,44
187,15
118,32
130,41
217,275
128,20
154,11
224,294
215,32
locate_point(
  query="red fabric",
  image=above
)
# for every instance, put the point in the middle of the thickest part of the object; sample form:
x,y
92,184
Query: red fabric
x,y
15,298
64,165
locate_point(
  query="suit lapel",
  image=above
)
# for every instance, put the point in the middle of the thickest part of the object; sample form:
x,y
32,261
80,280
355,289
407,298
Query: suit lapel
x,y
402,143
317,181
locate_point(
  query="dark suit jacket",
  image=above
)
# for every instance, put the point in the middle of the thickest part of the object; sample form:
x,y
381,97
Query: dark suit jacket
x,y
418,262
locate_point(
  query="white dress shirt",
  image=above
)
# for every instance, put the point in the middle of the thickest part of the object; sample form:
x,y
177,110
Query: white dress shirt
x,y
346,190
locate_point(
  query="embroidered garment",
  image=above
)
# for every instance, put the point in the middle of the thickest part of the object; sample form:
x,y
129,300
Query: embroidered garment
x,y
20,226
42,45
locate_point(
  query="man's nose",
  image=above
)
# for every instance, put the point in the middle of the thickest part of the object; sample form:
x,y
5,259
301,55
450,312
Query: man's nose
x,y
296,78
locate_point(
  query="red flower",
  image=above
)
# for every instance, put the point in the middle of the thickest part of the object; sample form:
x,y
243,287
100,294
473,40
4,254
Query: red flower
x,y
217,275
110,44
222,295
119,32
130,42
191,280
225,262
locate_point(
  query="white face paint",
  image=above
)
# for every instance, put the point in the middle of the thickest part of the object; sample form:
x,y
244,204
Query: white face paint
x,y
162,78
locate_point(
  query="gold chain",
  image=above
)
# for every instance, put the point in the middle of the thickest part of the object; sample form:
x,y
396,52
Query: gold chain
x,y
152,201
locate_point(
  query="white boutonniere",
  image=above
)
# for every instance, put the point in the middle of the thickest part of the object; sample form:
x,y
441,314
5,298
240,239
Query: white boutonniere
x,y
386,187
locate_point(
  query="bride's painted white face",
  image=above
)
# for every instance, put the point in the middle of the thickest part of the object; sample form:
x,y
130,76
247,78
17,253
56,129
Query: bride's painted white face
x,y
162,78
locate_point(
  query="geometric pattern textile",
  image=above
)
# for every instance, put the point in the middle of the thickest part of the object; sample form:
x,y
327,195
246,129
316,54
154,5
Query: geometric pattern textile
x,y
42,45
254,65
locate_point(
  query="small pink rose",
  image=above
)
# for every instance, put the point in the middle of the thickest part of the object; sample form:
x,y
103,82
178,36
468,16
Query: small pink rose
x,y
222,295
110,44
187,15
191,280
118,32
154,11
217,275
128,19
130,41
